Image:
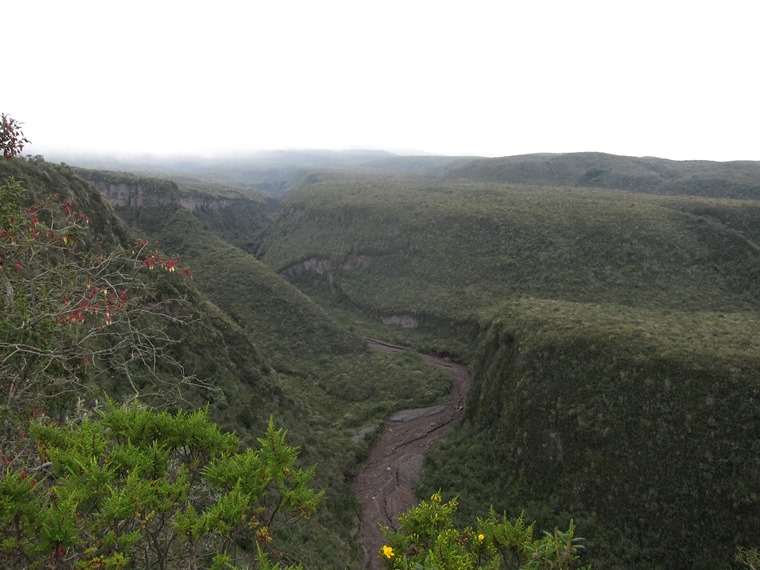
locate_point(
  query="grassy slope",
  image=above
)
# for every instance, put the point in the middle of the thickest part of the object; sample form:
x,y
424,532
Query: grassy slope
x,y
42,179
618,350
616,377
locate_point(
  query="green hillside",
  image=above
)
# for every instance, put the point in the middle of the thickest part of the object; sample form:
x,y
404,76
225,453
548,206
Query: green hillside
x,y
615,377
329,388
607,307
270,351
641,425
457,249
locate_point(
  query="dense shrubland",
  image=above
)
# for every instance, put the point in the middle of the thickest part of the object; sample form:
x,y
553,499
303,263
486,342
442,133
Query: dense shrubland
x,y
458,249
611,336
632,435
89,483
135,488
616,376
131,486
428,538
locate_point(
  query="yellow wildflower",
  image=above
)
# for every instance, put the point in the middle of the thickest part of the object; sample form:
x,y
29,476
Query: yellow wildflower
x,y
436,498
388,551
481,537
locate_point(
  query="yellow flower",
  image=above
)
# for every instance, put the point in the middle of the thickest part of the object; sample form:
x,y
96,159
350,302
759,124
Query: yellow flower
x,y
481,537
388,551
436,498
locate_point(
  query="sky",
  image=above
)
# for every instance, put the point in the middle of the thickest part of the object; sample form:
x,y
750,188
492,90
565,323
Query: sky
x,y
668,78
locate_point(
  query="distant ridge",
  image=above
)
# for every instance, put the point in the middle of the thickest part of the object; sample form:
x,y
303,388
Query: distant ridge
x,y
275,172
737,179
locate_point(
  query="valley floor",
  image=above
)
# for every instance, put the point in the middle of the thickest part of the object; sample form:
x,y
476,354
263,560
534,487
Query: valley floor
x,y
386,480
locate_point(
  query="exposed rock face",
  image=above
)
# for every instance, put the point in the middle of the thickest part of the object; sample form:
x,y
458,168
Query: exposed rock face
x,y
130,195
199,202
403,321
136,195
325,267
318,265
354,261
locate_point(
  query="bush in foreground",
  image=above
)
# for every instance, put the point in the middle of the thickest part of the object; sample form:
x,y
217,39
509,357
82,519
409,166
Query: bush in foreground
x,y
427,539
134,487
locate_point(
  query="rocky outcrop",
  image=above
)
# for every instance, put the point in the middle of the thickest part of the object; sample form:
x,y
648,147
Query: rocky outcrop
x,y
132,195
325,270
317,265
323,267
138,193
403,321
207,203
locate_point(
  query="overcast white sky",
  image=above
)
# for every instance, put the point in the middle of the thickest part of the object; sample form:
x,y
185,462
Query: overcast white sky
x,y
673,79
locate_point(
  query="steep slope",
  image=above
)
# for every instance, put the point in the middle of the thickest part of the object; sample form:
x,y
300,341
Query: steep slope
x,y
238,214
642,426
269,351
738,179
40,179
213,344
327,387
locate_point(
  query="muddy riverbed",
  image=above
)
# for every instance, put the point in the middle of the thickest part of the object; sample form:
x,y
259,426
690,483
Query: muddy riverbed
x,y
386,480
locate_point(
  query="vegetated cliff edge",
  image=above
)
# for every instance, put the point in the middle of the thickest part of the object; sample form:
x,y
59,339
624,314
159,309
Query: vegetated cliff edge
x,y
651,447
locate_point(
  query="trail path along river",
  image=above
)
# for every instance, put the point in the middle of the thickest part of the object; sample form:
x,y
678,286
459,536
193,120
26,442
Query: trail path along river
x,y
386,480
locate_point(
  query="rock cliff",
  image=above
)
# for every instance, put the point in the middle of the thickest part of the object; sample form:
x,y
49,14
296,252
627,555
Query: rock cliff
x,y
137,194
